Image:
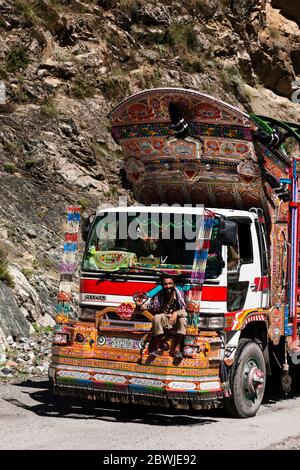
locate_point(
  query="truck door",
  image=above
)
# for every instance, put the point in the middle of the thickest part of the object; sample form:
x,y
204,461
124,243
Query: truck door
x,y
244,272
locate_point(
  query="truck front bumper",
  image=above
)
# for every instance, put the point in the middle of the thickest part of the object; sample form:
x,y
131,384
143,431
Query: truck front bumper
x,y
180,386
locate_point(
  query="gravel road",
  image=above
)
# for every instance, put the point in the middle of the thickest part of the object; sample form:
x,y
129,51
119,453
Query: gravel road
x,y
31,418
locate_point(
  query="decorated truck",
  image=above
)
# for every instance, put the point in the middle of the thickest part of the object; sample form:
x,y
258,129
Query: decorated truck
x,y
217,212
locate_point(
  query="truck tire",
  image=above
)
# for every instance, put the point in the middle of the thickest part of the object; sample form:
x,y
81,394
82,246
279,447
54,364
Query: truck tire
x,y
247,380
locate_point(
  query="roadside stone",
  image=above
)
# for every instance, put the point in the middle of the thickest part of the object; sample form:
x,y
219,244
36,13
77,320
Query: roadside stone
x,y
39,370
23,340
20,360
2,358
31,356
46,365
6,372
31,233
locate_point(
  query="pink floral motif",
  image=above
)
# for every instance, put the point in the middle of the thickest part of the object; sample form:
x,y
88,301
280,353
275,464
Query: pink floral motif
x,y
227,148
158,144
242,148
212,145
131,148
138,111
145,147
155,103
207,111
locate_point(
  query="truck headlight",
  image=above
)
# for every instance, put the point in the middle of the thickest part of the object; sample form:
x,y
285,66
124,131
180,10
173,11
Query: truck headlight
x,y
216,323
211,323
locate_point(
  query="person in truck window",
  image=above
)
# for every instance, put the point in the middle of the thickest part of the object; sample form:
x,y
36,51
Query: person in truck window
x,y
168,308
233,258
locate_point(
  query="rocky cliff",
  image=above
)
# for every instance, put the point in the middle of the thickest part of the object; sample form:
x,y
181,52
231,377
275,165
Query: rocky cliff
x,y
65,64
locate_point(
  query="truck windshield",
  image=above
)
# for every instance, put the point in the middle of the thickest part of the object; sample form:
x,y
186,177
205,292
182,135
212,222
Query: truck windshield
x,y
146,240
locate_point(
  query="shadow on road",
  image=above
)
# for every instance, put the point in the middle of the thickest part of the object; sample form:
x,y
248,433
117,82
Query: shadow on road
x,y
64,407
274,392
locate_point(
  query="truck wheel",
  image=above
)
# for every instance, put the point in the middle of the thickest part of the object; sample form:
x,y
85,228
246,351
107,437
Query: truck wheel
x,y
247,380
51,385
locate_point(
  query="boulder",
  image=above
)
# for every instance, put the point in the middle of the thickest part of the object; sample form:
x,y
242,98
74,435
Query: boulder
x,y
26,295
12,321
290,9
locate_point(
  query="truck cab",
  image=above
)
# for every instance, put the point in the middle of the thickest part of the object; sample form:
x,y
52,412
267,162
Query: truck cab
x,y
115,265
105,353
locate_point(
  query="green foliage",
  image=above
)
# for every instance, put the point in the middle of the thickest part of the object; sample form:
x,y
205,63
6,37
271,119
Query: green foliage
x,y
27,10
17,58
115,87
49,109
80,89
5,276
100,148
230,77
182,37
9,167
3,73
83,203
48,14
42,213
13,148
19,95
161,48
27,272
29,164
111,193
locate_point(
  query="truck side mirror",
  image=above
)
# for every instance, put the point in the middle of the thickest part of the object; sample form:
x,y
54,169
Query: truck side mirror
x,y
228,232
85,228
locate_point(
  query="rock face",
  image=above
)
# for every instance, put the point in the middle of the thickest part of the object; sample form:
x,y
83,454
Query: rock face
x,y
66,64
290,8
12,320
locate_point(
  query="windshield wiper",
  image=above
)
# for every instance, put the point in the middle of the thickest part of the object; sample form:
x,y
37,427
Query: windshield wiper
x,y
141,269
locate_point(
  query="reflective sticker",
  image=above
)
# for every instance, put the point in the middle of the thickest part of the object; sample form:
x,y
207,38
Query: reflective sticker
x,y
73,374
109,378
181,386
149,382
210,386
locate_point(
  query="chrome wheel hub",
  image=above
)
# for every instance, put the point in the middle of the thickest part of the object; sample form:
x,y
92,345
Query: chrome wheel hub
x,y
254,380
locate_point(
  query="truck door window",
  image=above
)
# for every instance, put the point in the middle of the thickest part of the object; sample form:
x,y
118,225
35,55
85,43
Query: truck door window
x,y
238,254
245,243
233,257
262,250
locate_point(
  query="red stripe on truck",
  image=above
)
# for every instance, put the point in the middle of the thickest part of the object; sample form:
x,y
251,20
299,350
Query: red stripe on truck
x,y
214,294
261,283
96,286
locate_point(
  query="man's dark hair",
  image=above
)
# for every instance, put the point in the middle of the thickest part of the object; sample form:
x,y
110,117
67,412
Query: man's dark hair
x,y
167,276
